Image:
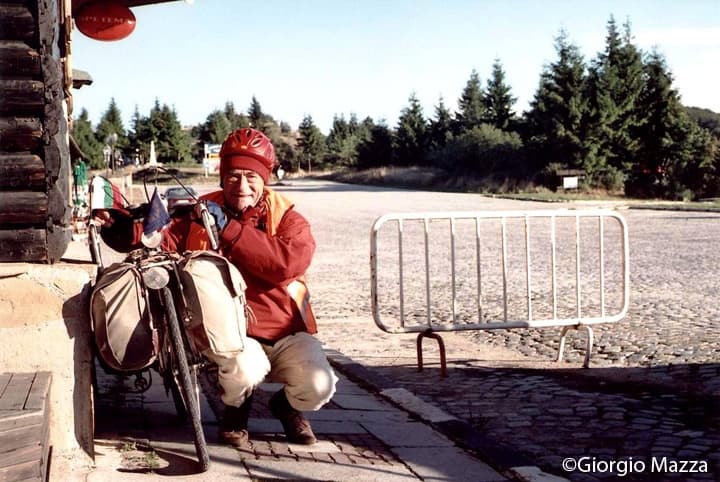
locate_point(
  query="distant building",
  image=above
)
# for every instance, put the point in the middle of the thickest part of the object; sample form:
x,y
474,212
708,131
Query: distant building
x,y
211,158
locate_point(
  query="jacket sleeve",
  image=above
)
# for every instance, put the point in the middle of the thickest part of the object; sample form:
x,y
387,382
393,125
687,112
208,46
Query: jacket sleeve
x,y
275,259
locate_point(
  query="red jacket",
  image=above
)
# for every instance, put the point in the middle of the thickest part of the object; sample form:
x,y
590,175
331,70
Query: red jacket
x,y
272,246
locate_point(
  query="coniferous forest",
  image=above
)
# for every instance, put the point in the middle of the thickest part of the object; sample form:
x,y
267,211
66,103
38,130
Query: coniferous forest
x,y
616,118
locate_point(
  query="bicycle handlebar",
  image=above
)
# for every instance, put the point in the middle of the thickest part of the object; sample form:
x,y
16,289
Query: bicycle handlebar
x,y
210,225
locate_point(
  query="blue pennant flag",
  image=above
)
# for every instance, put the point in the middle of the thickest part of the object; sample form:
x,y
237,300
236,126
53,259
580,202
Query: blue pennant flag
x,y
157,217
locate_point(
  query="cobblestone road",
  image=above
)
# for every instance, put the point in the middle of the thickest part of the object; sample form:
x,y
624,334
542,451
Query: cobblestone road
x,y
652,394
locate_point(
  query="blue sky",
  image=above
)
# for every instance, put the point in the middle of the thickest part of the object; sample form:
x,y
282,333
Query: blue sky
x,y
366,57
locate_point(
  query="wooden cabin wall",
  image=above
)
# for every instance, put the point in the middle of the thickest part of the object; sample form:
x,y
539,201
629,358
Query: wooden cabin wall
x,y
35,198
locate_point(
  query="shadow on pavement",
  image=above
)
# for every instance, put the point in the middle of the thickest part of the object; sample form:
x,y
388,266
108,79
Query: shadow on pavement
x,y
541,416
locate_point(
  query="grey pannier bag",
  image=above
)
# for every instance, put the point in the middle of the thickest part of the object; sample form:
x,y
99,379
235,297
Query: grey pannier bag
x,y
125,337
214,292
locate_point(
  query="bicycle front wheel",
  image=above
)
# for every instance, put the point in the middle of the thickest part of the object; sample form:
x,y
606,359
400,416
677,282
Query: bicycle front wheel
x,y
188,383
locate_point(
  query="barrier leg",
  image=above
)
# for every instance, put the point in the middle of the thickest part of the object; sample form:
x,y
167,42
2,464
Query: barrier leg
x,y
441,346
588,346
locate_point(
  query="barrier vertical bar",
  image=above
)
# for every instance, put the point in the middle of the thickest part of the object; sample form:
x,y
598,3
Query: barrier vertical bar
x,y
402,279
427,271
601,234
577,264
479,268
452,269
553,261
504,266
527,267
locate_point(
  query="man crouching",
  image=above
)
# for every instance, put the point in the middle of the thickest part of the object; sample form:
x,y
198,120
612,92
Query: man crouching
x,y
271,245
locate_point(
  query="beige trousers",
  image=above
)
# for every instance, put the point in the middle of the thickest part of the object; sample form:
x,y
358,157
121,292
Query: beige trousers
x,y
297,361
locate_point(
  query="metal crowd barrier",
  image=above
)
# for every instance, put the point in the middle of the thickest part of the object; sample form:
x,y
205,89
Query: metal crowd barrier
x,y
489,270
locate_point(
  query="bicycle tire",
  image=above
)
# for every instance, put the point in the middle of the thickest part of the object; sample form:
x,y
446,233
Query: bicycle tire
x,y
178,401
186,385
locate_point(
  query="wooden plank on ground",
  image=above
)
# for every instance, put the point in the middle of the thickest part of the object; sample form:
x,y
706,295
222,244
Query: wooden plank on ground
x,y
4,380
30,435
24,426
16,392
21,455
37,397
11,419
26,471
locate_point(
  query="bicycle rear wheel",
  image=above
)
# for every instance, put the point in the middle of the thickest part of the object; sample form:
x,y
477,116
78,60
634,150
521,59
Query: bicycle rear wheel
x,y
187,387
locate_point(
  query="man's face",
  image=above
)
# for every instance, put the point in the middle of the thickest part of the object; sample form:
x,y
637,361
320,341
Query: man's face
x,y
242,188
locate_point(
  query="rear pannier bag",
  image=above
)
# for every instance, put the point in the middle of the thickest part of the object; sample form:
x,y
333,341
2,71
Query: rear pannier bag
x,y
214,292
124,334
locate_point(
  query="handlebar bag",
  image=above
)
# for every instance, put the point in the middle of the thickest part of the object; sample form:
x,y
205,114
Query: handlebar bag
x,y
214,292
122,324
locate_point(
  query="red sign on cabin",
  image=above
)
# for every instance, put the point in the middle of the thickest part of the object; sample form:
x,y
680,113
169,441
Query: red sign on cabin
x,y
105,20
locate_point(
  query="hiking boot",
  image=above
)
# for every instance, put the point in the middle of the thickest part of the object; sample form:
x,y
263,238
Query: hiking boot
x,y
236,438
234,422
297,428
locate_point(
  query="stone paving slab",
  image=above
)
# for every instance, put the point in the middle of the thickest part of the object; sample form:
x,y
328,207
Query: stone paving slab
x,y
412,434
446,464
359,402
386,416
424,410
286,470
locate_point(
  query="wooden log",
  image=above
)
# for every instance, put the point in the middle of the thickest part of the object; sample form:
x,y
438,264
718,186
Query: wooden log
x,y
57,241
56,152
21,171
18,59
17,23
59,208
23,245
23,208
21,97
20,133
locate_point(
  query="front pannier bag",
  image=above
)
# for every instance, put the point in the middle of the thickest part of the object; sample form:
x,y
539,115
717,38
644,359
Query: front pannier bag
x,y
124,334
214,293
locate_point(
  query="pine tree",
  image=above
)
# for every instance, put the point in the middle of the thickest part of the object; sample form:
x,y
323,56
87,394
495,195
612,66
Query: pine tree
x,y
163,127
136,147
178,142
411,134
215,128
82,132
556,130
235,119
497,99
285,128
615,83
311,142
440,126
110,132
675,154
342,142
470,104
377,149
255,114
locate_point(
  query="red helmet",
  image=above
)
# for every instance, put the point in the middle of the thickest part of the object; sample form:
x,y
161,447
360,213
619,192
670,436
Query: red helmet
x,y
247,148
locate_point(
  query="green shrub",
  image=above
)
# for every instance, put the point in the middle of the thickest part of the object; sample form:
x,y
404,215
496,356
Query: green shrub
x,y
482,151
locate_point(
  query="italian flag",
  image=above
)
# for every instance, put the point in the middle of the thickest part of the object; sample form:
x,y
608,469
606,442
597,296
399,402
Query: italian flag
x,y
105,195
